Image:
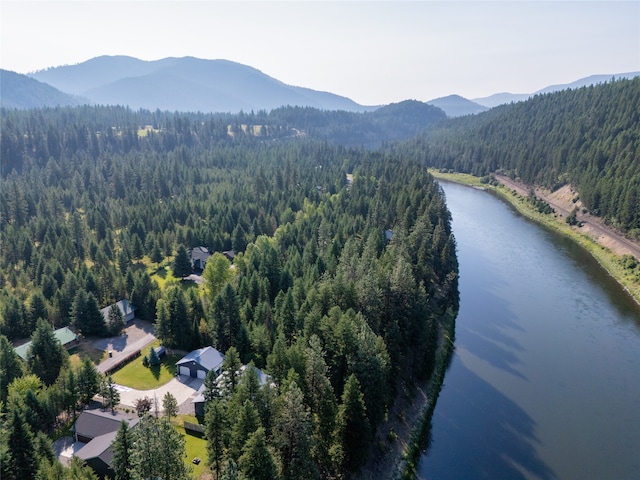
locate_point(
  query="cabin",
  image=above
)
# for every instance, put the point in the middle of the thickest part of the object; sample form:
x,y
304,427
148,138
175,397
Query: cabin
x,y
199,362
128,311
64,335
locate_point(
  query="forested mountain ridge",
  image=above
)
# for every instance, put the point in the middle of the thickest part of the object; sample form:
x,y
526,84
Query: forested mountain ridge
x,y
588,137
339,314
505,97
20,91
124,130
393,122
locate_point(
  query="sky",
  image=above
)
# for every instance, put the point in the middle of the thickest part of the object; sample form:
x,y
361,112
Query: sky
x,y
374,52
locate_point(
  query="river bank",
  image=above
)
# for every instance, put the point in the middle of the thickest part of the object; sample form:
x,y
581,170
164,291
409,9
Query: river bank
x,y
400,440
613,252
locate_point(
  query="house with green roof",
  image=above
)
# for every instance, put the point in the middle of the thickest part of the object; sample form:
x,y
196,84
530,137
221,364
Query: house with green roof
x,y
64,335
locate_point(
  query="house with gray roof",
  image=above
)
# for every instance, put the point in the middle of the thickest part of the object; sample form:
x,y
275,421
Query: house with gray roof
x,y
95,431
198,363
128,311
199,258
199,400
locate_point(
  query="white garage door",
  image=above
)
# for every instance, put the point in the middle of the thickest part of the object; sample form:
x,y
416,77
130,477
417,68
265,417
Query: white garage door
x,y
184,371
202,374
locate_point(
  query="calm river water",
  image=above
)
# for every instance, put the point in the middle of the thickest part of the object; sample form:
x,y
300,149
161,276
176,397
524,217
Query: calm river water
x,y
545,379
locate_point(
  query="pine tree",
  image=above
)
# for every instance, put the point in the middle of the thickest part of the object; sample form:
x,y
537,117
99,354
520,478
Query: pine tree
x,y
23,463
108,392
156,253
88,381
137,249
154,360
115,321
230,331
257,461
37,309
86,315
181,263
217,434
352,435
46,356
322,401
230,471
247,421
169,405
231,366
158,450
10,367
122,447
293,437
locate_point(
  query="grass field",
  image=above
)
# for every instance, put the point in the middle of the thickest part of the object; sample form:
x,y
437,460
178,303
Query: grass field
x,y
136,375
163,276
195,446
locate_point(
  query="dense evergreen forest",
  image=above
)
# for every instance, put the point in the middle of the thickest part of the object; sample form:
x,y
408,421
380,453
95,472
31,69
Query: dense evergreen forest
x,y
336,288
587,137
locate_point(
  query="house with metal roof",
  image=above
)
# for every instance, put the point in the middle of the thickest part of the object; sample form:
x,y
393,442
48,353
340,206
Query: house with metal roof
x,y
64,335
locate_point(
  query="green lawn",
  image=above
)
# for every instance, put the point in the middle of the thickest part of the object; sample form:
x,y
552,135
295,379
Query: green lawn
x,y
195,446
136,375
163,276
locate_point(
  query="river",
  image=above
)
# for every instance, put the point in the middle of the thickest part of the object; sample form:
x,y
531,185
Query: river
x,y
545,379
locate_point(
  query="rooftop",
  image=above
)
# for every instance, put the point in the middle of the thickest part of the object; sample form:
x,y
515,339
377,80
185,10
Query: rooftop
x,y
208,357
64,336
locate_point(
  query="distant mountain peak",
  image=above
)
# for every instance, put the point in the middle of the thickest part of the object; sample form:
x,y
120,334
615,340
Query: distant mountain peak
x,y
185,84
457,106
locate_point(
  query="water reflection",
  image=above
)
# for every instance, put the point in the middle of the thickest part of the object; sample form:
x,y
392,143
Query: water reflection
x,y
506,448
544,382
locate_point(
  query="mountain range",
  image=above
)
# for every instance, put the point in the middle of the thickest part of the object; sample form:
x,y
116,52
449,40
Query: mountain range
x,y
184,84
502,98
192,84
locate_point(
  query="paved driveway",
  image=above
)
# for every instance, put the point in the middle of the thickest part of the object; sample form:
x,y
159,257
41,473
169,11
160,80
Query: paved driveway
x,y
183,387
135,337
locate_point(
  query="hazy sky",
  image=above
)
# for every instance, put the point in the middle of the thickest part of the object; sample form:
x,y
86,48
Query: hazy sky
x,y
374,52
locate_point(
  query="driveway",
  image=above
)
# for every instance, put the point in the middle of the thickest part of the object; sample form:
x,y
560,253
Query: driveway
x,y
183,387
134,338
